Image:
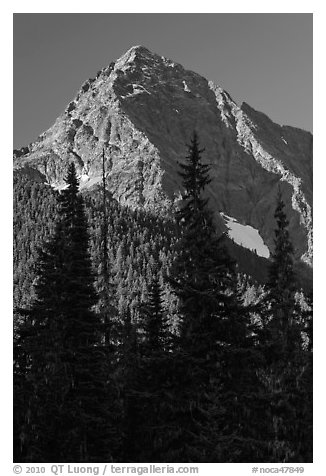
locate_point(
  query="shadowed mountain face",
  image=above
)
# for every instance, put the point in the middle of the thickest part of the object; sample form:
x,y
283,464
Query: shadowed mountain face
x,y
142,110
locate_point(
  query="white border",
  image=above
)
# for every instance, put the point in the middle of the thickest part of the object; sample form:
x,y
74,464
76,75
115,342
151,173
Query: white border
x,y
319,465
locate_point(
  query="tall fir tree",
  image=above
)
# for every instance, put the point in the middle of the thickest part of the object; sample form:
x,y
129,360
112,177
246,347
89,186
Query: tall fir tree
x,y
129,372
202,270
155,365
212,325
157,337
286,363
60,343
281,284
107,297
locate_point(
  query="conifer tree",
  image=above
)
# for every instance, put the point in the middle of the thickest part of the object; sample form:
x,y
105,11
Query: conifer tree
x,y
282,284
61,344
20,390
106,292
156,329
285,359
202,270
203,277
129,374
155,365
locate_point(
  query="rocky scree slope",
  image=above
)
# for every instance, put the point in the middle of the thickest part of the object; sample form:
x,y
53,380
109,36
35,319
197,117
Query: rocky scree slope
x,y
142,109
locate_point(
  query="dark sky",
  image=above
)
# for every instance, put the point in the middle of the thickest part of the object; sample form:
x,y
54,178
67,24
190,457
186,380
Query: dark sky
x,y
263,59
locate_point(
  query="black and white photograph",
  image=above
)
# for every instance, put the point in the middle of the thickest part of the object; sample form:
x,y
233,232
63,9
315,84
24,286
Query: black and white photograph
x,y
163,239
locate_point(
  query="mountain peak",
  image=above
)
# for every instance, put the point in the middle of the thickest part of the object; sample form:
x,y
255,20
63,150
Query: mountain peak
x,y
144,58
135,53
141,110
136,50
140,49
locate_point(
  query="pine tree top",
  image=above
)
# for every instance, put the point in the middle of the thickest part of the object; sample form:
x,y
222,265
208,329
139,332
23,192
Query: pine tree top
x,y
195,177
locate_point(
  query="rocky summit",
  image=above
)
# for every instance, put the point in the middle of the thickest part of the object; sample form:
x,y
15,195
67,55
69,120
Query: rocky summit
x,y
142,110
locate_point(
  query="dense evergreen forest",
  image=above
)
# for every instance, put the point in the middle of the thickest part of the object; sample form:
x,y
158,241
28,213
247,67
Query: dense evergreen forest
x,y
137,338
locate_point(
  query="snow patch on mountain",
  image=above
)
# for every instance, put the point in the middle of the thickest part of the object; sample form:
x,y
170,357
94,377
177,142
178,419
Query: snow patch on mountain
x,y
246,236
185,87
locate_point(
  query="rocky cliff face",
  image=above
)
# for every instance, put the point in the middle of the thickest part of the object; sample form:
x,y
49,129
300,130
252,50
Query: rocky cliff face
x,y
142,110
